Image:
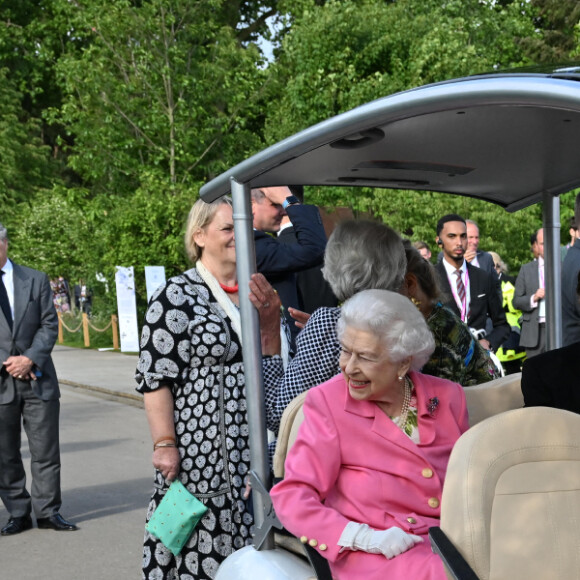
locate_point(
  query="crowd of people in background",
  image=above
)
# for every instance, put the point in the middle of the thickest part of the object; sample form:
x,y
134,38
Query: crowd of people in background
x,y
80,300
522,296
60,294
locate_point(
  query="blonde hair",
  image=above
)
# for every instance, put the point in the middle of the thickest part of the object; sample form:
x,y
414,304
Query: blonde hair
x,y
497,261
200,216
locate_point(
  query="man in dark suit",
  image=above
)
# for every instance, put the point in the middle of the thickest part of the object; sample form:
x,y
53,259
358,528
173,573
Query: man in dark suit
x,y
570,271
472,293
551,379
29,394
529,297
280,262
474,255
313,290
478,258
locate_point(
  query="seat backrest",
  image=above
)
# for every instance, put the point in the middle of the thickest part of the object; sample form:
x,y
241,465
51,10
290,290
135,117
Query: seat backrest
x,y
497,396
289,424
511,499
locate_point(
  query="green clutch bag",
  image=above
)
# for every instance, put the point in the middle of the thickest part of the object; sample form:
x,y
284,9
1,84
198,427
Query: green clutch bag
x,y
175,517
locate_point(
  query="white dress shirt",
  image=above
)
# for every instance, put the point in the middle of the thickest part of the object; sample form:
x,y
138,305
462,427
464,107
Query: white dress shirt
x,y
8,280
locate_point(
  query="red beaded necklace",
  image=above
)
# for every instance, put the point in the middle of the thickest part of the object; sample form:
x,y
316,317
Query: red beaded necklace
x,y
229,289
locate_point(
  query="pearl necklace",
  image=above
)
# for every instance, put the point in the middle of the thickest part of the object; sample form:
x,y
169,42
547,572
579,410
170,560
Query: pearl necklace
x,y
402,420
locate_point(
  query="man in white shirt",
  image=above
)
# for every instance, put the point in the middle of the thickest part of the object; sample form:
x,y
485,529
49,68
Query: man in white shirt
x,y
29,398
529,297
474,255
472,292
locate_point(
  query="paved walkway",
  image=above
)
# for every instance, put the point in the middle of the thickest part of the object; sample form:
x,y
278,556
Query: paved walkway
x,y
108,373
107,477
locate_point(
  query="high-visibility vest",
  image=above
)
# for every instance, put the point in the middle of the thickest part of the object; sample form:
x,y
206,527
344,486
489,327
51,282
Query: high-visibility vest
x,y
513,317
512,314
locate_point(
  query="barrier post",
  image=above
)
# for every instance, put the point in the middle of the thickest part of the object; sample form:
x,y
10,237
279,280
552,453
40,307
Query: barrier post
x,y
60,329
86,329
115,330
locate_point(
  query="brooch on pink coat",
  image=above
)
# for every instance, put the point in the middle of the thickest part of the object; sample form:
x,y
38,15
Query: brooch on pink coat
x,y
432,406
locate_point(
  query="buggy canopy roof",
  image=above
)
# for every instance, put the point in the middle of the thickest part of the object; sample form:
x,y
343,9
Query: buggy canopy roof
x,y
510,139
504,138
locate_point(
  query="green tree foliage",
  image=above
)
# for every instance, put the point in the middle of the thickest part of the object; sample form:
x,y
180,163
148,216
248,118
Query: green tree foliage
x,y
32,36
415,215
344,54
114,112
25,166
53,235
154,97
145,228
160,86
556,42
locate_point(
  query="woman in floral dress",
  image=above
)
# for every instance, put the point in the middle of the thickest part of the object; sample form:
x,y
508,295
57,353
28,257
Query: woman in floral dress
x,y
191,373
60,295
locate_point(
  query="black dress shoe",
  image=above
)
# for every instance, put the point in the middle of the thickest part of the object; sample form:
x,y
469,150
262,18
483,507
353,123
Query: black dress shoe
x,y
16,525
55,522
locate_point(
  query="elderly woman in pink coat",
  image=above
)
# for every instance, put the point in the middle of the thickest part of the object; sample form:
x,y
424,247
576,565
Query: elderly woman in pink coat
x,y
364,478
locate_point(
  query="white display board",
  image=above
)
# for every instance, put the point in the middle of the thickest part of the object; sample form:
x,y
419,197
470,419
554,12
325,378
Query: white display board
x,y
154,277
127,309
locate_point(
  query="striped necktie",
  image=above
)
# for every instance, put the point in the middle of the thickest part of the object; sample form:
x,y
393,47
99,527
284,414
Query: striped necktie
x,y
4,302
460,287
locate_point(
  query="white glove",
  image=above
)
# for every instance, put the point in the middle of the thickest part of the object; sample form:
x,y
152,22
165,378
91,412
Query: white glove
x,y
390,542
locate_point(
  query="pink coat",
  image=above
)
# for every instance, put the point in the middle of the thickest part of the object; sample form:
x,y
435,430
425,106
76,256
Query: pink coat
x,y
350,462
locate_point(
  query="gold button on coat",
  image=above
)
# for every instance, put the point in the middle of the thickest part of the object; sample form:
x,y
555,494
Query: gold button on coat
x,y
303,539
412,520
313,543
427,473
322,547
433,502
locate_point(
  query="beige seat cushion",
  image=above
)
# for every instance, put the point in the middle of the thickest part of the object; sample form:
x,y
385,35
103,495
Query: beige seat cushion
x,y
289,424
511,499
494,397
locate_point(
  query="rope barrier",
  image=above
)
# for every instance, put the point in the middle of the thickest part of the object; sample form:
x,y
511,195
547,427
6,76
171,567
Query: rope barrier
x,y
85,324
100,329
70,329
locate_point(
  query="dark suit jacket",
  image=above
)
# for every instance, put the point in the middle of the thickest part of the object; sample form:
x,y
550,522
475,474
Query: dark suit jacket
x,y
279,262
486,263
313,290
570,301
550,379
527,283
35,330
484,302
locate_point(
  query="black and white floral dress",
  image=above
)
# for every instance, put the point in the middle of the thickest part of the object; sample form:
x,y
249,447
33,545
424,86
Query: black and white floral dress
x,y
188,343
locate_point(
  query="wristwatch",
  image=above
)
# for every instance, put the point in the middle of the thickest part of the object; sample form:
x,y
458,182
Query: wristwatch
x,y
290,200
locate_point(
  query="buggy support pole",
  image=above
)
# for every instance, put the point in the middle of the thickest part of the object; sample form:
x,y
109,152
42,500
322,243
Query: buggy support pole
x,y
552,270
252,352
